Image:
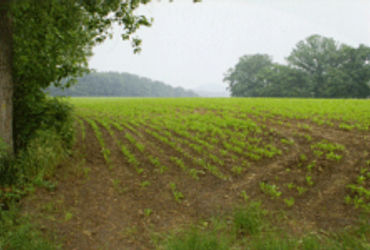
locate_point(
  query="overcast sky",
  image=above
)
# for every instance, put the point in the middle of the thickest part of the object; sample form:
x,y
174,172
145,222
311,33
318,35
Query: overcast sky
x,y
195,44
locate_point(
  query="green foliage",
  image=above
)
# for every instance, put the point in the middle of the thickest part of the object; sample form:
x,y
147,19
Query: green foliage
x,y
45,150
119,85
17,233
318,67
8,170
270,189
195,239
53,40
241,79
249,220
18,176
47,113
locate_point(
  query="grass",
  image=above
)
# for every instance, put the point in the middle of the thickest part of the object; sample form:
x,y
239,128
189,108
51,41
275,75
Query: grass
x,y
19,176
19,233
251,227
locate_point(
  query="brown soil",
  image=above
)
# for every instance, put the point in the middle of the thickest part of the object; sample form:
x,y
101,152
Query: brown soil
x,y
96,206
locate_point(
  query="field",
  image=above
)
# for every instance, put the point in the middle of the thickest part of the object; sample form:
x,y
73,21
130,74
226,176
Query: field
x,y
145,167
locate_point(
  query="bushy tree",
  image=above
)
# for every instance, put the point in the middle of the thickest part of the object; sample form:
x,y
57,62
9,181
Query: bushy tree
x,y
242,79
318,67
283,81
52,40
336,70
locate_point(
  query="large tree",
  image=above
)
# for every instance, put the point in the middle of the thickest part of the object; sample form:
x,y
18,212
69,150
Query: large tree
x,y
6,65
282,81
242,79
50,41
336,70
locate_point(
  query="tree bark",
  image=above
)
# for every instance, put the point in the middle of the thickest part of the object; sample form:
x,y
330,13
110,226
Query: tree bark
x,y
6,70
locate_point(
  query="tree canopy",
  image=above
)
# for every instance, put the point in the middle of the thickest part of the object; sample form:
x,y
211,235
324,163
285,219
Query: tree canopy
x,y
317,67
113,84
50,41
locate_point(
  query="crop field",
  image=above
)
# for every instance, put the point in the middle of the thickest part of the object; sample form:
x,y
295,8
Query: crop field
x,y
151,165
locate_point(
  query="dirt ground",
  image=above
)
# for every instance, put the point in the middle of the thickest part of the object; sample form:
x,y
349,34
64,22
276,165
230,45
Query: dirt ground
x,y
95,206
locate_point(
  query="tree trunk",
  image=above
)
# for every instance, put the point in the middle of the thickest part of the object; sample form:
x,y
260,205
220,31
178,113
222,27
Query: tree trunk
x,y
6,69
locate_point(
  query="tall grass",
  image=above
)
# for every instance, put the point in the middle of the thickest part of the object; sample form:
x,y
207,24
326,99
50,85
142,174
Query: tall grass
x,y
19,174
251,228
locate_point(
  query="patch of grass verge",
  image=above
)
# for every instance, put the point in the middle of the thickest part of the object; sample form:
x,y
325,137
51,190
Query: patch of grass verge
x,y
251,227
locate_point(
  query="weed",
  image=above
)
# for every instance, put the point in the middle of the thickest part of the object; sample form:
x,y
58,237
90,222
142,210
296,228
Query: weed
x,y
178,195
244,195
285,141
271,190
303,157
311,165
289,202
301,190
318,153
145,184
147,212
194,173
68,216
332,156
249,219
309,180
290,185
237,169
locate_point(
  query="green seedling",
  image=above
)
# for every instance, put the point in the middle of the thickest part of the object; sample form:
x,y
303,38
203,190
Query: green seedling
x,y
86,173
358,202
289,202
178,195
361,179
194,173
318,153
244,195
147,212
287,170
310,166
115,183
309,180
68,216
332,156
363,171
145,183
270,189
301,190
347,200
285,141
308,138
290,185
237,169
303,157
139,170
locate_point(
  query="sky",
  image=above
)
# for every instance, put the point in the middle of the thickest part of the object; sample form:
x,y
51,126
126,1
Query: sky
x,y
192,45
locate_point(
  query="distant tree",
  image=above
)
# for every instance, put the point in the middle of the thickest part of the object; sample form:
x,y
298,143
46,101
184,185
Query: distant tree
x,y
119,85
315,56
282,81
336,70
242,79
355,71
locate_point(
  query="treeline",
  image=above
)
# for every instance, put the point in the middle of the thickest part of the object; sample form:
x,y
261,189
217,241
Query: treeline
x,y
318,67
115,84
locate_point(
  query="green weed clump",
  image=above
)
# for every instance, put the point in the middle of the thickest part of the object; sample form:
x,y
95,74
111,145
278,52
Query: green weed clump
x,y
18,233
195,239
19,174
251,227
